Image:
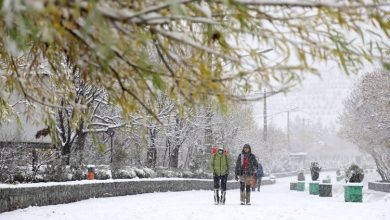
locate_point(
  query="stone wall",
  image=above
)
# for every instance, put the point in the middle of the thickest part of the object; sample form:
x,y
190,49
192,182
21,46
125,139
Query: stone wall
x,y
40,195
379,186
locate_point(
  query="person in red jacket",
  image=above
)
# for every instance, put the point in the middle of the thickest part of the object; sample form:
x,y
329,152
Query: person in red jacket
x,y
246,167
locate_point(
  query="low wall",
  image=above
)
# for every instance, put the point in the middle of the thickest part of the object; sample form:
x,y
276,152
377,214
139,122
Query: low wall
x,y
285,174
17,197
295,173
379,186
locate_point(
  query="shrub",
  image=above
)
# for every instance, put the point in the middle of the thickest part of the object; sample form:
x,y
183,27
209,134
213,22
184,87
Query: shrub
x,y
166,173
18,177
78,174
315,171
102,175
124,174
149,172
188,174
301,176
355,174
140,173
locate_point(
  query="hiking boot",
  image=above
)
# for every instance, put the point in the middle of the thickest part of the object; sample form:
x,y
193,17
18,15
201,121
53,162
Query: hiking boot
x,y
223,197
216,196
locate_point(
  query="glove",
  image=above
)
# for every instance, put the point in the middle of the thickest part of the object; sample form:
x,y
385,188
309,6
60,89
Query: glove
x,y
236,178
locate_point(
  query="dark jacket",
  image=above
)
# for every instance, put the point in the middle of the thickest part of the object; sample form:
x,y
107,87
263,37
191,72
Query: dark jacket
x,y
260,172
252,164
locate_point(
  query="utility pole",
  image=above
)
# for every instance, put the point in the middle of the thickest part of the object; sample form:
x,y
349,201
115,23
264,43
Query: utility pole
x,y
288,132
265,118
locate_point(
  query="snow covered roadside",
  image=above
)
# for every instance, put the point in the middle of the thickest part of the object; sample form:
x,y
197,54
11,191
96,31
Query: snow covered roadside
x,y
14,197
83,182
273,202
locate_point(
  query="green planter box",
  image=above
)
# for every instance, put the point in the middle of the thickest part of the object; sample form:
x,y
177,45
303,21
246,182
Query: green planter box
x,y
353,192
293,186
301,186
339,178
314,188
325,190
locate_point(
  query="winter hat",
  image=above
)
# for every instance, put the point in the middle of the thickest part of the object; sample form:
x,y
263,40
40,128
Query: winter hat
x,y
246,146
220,149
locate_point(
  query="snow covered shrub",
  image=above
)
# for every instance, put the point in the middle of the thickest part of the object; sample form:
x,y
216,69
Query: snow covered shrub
x,y
149,172
140,173
327,180
187,174
201,174
166,173
56,172
39,178
102,174
178,174
315,170
78,174
355,174
301,176
18,177
124,174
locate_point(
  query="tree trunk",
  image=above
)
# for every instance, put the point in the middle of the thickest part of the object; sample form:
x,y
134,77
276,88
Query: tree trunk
x,y
167,149
65,153
151,155
79,149
174,157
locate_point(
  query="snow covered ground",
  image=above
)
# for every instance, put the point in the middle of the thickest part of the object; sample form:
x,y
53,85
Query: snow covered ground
x,y
273,202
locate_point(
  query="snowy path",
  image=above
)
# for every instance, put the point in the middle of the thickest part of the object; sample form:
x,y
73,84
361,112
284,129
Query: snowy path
x,y
273,202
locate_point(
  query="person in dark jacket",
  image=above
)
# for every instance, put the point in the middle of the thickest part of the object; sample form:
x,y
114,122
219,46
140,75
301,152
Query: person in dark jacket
x,y
259,176
246,167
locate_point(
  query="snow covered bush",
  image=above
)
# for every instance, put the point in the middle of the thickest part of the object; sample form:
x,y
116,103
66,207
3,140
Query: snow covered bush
x,y
178,174
18,177
301,176
56,172
102,174
201,174
315,171
166,173
149,172
124,174
188,174
140,173
78,174
355,174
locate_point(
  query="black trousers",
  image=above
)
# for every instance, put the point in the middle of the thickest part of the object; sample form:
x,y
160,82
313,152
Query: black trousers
x,y
222,179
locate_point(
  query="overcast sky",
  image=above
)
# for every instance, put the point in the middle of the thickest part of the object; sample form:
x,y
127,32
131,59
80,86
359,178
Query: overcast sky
x,y
316,99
